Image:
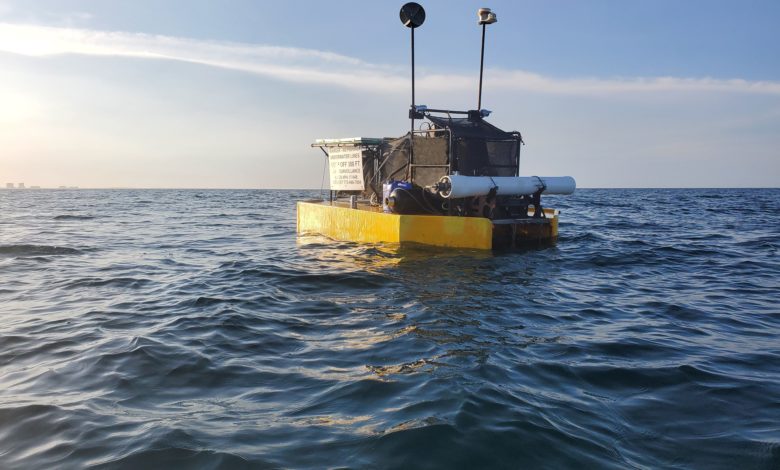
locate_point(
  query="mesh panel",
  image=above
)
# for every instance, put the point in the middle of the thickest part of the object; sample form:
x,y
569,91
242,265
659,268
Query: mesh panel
x,y
502,156
394,159
479,149
430,151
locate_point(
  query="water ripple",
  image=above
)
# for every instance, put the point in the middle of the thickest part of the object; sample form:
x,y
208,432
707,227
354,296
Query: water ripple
x,y
36,250
190,328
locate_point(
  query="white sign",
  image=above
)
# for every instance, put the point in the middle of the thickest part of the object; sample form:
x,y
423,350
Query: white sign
x,y
346,169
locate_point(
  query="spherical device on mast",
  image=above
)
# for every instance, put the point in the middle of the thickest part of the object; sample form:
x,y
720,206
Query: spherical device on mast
x,y
412,15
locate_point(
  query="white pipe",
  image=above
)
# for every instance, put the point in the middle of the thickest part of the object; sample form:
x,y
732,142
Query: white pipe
x,y
456,186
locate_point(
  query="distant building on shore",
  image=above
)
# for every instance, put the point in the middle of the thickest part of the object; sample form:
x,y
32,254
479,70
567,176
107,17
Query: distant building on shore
x,y
9,186
21,186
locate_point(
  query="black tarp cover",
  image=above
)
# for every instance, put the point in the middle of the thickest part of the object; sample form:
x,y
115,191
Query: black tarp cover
x,y
478,149
467,128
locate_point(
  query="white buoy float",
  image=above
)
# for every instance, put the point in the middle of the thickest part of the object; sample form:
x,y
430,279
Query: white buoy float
x,y
458,186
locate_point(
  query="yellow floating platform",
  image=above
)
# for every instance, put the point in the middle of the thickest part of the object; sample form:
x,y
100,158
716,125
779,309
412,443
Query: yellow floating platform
x,y
368,224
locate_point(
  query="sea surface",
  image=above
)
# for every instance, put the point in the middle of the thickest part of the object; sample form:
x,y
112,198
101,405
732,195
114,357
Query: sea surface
x,y
193,329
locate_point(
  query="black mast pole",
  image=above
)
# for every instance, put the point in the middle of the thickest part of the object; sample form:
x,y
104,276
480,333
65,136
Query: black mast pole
x,y
412,15
408,174
486,17
481,67
412,108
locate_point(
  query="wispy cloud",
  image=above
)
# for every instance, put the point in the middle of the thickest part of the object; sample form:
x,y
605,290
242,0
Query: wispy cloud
x,y
326,68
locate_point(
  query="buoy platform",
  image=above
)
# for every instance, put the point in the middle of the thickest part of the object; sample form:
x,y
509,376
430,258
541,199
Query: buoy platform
x,y
369,224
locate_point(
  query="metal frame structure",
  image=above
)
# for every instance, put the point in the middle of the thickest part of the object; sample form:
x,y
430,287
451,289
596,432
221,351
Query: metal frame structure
x,y
374,146
517,138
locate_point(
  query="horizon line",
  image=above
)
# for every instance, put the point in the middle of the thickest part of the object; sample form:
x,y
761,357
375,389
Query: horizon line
x,y
190,188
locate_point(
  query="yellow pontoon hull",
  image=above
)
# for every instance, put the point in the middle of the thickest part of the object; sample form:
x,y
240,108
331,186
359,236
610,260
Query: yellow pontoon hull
x,y
367,224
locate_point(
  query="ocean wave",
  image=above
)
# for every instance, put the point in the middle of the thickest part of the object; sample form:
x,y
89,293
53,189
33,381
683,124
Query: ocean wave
x,y
23,250
646,337
73,217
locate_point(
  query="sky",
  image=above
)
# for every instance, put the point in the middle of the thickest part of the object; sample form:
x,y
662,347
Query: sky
x,y
230,94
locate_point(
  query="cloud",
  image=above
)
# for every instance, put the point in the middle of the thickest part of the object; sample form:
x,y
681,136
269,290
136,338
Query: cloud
x,y
76,18
311,66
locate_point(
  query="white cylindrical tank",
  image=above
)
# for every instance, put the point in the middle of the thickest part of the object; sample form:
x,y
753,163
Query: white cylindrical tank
x,y
456,186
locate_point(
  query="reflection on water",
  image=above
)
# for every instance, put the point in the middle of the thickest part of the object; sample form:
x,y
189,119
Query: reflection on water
x,y
192,329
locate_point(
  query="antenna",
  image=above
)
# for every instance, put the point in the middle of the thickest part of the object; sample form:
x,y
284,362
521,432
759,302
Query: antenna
x,y
486,17
412,15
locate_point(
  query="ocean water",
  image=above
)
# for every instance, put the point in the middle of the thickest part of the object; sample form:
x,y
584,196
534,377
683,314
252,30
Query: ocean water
x,y
191,328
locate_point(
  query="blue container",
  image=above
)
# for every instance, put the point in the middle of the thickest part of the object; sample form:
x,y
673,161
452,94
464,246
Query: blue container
x,y
387,191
